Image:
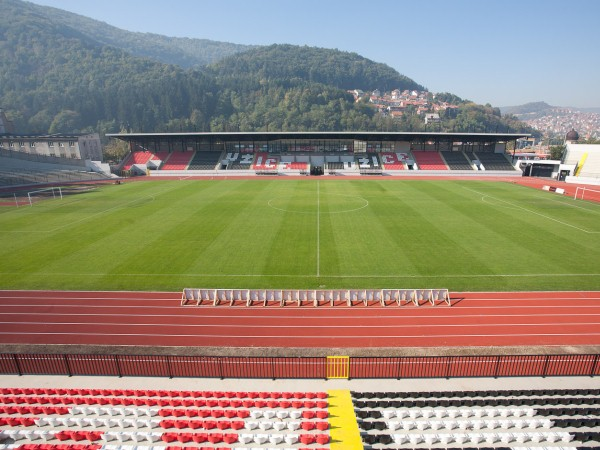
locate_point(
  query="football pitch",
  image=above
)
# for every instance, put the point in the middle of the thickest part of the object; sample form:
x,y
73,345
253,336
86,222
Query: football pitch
x,y
303,234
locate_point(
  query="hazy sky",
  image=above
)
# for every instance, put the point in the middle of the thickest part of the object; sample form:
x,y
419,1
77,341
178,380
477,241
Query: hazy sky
x,y
503,52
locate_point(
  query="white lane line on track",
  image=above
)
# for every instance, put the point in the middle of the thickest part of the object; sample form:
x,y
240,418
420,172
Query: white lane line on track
x,y
319,317
319,336
251,311
177,325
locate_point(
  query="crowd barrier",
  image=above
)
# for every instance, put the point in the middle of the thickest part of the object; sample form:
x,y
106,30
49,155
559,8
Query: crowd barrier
x,y
399,367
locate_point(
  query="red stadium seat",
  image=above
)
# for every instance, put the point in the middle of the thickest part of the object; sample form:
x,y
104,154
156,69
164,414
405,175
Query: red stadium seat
x,y
307,426
223,424
166,412
200,437
184,437
180,424
215,438
166,424
308,414
216,413
93,435
209,424
322,414
322,426
194,424
307,439
63,435
322,439
235,403
77,435
230,438
169,437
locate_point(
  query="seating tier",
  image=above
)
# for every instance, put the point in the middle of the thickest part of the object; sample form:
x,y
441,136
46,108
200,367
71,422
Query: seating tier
x,y
57,419
204,161
429,160
177,161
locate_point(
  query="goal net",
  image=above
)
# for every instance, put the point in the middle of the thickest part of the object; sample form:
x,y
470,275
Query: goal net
x,y
42,194
586,193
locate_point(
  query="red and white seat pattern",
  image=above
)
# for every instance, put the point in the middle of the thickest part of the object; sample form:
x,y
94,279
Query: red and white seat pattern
x,y
393,161
264,161
138,158
74,419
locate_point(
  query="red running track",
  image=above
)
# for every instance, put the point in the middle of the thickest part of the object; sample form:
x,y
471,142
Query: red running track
x,y
157,319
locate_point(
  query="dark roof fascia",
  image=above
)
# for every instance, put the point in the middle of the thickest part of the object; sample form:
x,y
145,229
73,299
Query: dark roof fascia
x,y
354,135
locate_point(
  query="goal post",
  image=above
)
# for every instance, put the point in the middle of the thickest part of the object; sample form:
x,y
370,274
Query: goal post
x,y
586,193
46,193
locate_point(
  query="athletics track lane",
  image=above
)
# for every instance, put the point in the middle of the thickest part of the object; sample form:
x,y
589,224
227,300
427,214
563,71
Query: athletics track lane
x,y
157,319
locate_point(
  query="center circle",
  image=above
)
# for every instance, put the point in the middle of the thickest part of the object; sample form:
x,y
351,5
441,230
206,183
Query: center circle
x,y
302,205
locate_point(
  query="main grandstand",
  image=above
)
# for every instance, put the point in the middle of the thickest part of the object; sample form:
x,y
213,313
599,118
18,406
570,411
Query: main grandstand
x,y
340,153
303,278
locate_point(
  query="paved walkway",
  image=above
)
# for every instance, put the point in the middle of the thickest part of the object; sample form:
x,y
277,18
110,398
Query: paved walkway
x,y
405,385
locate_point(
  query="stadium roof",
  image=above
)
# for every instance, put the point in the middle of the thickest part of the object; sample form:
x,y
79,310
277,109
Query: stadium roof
x,y
316,135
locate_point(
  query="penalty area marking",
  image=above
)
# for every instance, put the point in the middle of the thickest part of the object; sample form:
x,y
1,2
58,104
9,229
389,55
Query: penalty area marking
x,y
518,207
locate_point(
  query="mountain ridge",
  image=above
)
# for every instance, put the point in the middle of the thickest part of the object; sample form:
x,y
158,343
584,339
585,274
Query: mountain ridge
x,y
56,76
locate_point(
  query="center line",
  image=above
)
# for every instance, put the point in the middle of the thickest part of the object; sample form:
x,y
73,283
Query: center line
x,y
318,227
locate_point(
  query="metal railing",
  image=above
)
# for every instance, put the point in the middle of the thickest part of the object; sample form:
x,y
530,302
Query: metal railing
x,y
299,367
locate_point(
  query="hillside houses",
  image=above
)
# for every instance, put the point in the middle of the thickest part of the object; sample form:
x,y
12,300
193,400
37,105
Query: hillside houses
x,y
397,103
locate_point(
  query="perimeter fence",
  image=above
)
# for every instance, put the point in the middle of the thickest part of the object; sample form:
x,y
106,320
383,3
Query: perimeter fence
x,y
399,367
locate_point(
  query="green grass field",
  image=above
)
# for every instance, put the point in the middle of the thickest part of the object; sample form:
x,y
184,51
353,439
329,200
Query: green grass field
x,y
303,233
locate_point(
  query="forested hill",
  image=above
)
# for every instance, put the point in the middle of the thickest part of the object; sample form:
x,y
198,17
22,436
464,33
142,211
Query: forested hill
x,y
185,52
335,68
62,73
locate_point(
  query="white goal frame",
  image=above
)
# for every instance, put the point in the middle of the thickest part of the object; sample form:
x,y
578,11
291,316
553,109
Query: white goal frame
x,y
583,189
53,189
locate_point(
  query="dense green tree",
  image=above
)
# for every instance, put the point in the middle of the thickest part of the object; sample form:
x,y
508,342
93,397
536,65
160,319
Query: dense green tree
x,y
556,152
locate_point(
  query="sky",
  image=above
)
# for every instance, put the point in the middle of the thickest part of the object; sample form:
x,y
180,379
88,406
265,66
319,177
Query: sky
x,y
502,52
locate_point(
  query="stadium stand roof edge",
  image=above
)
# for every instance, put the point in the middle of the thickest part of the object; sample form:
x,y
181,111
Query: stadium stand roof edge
x,y
355,135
